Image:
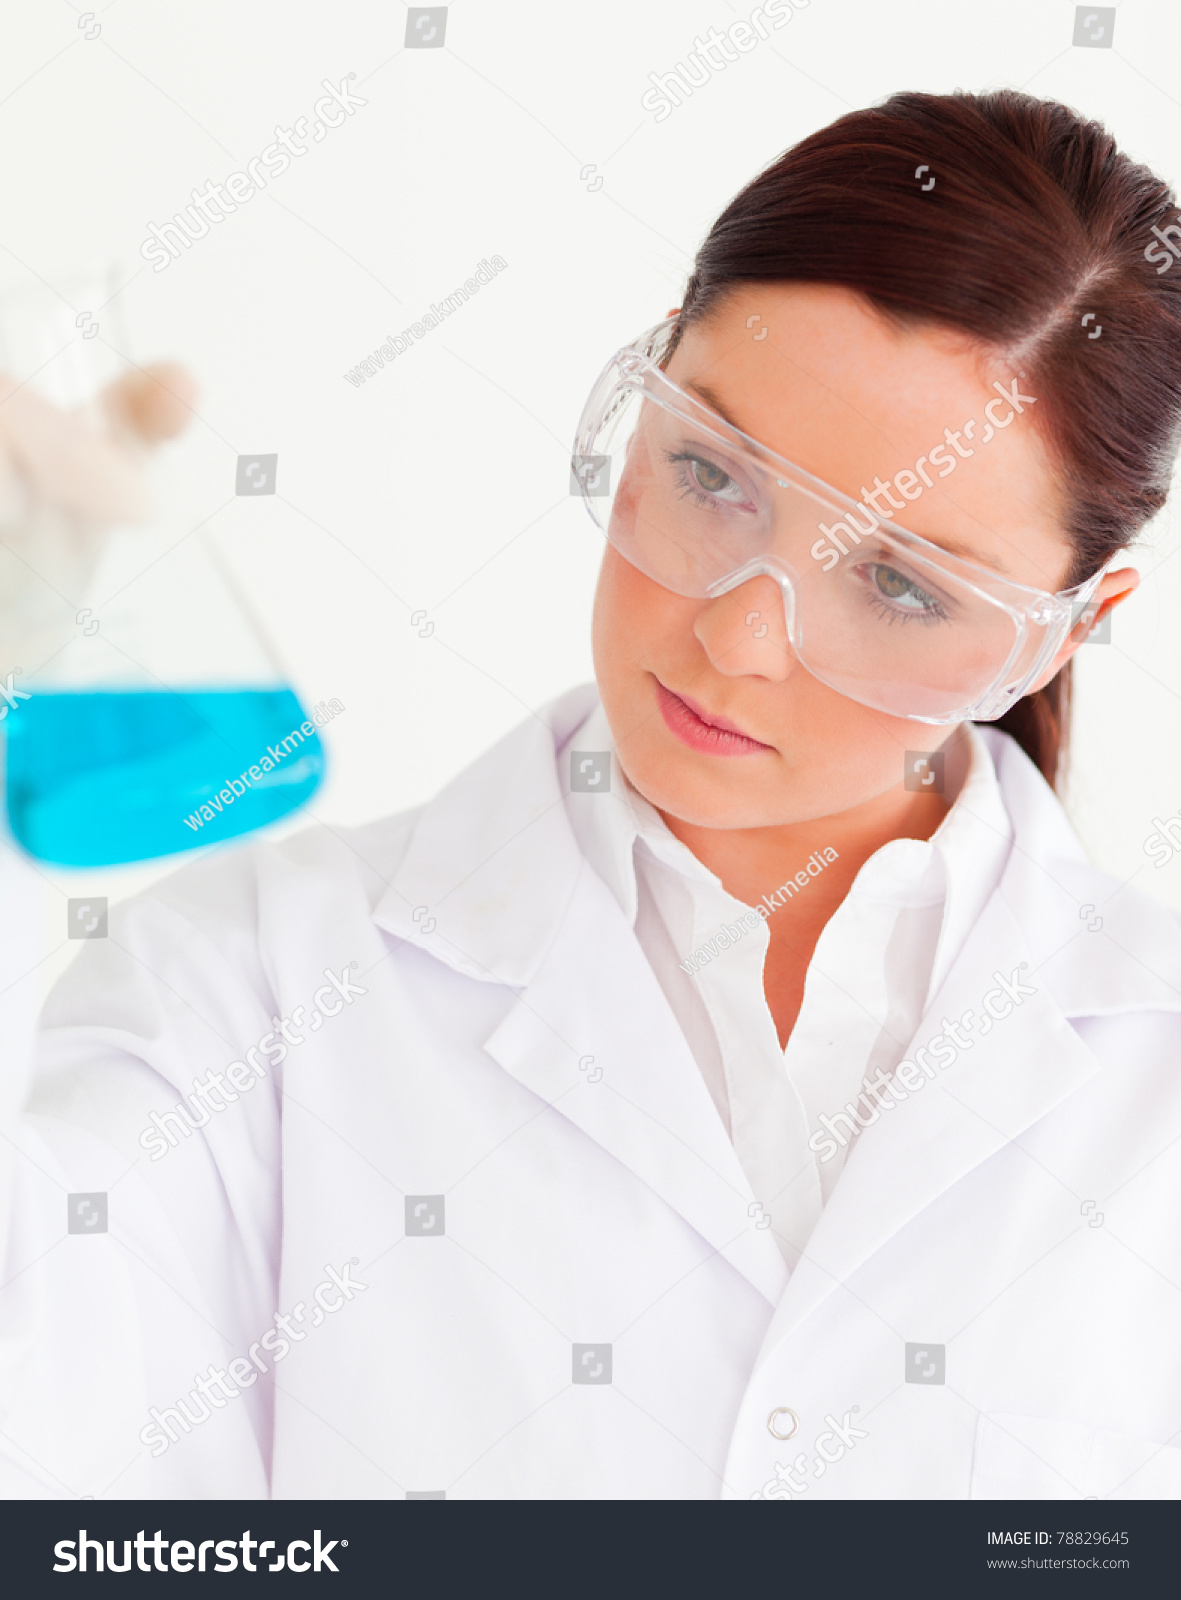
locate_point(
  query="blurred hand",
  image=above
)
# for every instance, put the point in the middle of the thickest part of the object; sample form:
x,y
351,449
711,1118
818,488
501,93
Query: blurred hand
x,y
50,457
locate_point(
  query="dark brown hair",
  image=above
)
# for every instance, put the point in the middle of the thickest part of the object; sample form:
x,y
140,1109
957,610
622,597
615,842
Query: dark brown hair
x,y
1035,219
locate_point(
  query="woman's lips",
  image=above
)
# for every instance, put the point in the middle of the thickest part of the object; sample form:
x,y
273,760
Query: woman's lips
x,y
713,736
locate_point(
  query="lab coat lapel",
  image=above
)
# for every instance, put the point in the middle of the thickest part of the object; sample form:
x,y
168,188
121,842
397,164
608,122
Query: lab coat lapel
x,y
491,862
593,1035
1014,1071
493,884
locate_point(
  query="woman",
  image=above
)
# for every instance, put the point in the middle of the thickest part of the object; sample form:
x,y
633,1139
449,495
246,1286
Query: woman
x,y
756,1047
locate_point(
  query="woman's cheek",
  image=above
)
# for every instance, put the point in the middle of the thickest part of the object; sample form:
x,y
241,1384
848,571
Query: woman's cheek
x,y
627,612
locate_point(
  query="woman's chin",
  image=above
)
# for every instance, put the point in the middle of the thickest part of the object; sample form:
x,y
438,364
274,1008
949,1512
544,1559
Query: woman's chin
x,y
721,800
732,796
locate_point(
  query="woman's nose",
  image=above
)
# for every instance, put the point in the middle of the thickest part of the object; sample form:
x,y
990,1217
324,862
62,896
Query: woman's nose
x,y
744,632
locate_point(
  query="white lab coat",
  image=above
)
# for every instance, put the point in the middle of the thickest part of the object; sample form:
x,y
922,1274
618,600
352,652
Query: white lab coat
x,y
513,1053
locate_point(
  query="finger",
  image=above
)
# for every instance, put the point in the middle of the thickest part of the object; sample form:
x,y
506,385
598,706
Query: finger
x,y
155,403
66,462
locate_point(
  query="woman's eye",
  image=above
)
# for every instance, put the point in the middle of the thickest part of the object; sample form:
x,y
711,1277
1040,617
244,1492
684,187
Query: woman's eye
x,y
710,477
893,586
708,483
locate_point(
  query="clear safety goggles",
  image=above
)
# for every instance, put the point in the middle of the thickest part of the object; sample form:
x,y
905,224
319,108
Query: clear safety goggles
x,y
878,613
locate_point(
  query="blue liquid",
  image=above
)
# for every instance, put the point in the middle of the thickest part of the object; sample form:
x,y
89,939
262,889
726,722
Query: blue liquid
x,y
96,779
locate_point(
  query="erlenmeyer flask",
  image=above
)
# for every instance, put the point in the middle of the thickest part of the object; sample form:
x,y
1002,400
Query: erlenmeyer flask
x,y
145,712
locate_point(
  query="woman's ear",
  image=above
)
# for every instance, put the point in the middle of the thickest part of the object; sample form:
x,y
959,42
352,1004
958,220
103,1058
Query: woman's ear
x,y
1114,588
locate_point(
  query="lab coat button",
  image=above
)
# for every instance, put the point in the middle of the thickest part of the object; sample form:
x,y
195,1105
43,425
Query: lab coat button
x,y
775,1428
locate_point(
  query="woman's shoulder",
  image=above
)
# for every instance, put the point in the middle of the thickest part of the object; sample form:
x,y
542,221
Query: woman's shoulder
x,y
1104,944
238,887
234,893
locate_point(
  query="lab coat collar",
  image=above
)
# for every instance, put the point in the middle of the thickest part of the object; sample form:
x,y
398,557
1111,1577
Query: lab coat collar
x,y
1101,946
973,843
594,1036
1085,945
490,869
960,865
1013,1072
491,863
609,826
493,884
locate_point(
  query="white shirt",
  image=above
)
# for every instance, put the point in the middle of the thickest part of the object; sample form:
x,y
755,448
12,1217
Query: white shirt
x,y
887,947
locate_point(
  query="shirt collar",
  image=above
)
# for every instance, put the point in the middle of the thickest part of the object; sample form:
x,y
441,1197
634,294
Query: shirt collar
x,y
608,825
974,840
495,862
961,864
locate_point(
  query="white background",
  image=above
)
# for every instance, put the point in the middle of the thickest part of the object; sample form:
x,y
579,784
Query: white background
x,y
442,483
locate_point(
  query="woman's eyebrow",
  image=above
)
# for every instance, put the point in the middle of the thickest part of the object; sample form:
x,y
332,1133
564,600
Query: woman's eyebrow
x,y
950,545
711,399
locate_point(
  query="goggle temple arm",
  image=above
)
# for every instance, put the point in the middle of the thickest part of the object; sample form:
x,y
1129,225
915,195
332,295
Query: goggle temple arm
x,y
997,702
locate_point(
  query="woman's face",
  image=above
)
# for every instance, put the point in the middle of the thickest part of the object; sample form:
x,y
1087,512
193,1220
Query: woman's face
x,y
815,374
